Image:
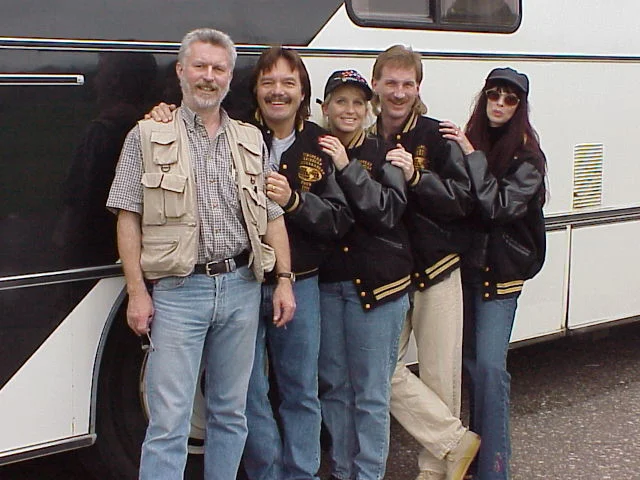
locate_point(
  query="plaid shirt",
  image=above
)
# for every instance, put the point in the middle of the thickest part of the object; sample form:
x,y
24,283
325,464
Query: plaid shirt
x,y
222,230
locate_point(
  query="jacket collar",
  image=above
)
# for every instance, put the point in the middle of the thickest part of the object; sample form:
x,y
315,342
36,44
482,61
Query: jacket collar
x,y
257,116
357,140
409,124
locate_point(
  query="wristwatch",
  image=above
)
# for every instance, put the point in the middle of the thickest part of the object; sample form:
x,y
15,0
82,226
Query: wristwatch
x,y
290,275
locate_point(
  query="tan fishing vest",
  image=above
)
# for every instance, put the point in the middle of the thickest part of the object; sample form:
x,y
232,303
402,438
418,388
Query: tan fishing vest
x,y
170,224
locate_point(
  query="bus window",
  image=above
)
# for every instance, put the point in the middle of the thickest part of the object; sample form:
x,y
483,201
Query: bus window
x,y
383,10
500,16
480,12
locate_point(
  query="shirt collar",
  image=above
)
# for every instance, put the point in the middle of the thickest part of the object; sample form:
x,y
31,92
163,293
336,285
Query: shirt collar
x,y
192,119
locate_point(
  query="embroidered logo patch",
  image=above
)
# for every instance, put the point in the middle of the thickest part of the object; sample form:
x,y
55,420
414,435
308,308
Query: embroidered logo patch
x,y
420,158
309,171
367,165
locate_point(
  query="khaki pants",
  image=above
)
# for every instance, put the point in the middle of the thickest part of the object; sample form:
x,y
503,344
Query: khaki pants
x,y
429,407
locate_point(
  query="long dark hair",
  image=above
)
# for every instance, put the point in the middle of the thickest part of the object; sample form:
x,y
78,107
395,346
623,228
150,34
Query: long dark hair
x,y
518,136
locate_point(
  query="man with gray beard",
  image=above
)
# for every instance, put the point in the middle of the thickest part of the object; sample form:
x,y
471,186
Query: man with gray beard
x,y
194,221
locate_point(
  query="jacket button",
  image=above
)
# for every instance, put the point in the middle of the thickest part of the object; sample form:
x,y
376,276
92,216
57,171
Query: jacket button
x,y
398,137
283,166
367,306
486,284
486,269
345,249
421,285
486,295
416,275
363,294
358,281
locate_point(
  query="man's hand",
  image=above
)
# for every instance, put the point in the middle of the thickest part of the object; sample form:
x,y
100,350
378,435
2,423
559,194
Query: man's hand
x,y
278,188
140,312
161,113
284,303
403,160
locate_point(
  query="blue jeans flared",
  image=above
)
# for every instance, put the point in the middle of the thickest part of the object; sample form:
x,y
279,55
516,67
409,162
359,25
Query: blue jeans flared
x,y
293,352
358,353
213,320
487,330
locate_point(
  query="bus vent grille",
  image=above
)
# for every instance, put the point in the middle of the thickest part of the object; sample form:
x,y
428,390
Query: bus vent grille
x,y
587,175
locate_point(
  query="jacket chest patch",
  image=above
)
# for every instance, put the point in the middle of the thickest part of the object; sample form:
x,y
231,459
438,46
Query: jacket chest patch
x,y
420,160
309,171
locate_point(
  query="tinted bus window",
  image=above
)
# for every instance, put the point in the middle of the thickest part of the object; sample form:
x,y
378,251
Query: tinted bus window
x,y
464,15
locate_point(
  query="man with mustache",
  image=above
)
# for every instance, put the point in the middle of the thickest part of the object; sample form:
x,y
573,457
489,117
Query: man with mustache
x,y
303,183
440,197
192,216
316,214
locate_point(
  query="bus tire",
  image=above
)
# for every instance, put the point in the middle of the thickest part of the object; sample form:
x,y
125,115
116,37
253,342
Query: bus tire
x,y
120,418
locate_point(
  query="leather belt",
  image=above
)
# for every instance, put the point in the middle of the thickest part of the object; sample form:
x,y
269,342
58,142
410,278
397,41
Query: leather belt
x,y
224,266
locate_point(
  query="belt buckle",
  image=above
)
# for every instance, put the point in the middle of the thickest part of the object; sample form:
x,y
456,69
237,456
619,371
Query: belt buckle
x,y
228,267
207,268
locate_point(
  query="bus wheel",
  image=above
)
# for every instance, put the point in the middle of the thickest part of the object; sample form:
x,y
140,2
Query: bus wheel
x,y
121,418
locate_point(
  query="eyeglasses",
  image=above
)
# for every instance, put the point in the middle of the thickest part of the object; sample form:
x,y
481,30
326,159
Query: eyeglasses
x,y
510,99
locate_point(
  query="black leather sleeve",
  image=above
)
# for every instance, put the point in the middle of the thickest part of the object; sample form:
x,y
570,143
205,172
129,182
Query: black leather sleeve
x,y
326,214
380,203
503,200
444,193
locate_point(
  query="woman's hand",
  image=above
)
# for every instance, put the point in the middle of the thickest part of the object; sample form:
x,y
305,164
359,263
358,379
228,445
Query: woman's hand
x,y
451,131
278,188
334,148
403,160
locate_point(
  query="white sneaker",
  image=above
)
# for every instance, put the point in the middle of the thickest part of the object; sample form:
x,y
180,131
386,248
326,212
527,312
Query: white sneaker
x,y
459,459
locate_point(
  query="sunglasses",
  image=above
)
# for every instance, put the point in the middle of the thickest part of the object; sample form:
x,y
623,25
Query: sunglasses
x,y
510,99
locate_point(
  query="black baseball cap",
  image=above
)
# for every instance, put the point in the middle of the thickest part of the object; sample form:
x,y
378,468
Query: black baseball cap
x,y
343,77
511,76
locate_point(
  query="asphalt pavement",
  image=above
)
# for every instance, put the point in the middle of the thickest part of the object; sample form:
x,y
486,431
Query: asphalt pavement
x,y
575,415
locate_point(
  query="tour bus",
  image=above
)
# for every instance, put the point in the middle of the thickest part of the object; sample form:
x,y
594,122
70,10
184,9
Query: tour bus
x,y
75,75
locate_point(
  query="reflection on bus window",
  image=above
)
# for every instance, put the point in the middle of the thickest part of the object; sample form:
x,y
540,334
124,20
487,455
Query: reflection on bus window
x,y
480,12
415,10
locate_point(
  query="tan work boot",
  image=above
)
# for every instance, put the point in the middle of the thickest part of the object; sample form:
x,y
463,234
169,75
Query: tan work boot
x,y
430,475
461,456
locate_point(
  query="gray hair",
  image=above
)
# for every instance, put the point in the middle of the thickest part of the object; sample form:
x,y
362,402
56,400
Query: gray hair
x,y
212,37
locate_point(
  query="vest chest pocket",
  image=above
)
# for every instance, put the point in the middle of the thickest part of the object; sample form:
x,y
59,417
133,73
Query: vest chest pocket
x,y
173,187
164,196
164,148
153,199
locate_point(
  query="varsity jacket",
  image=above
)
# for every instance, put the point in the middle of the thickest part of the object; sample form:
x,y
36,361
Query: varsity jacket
x,y
507,226
375,254
317,213
440,197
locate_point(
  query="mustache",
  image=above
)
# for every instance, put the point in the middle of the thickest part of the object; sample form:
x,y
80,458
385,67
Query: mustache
x,y
277,97
211,85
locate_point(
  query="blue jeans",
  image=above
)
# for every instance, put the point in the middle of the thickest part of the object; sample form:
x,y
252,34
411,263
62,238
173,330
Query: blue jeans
x,y
358,353
487,329
294,360
208,319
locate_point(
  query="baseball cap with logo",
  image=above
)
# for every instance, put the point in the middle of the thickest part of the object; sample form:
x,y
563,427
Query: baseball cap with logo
x,y
347,77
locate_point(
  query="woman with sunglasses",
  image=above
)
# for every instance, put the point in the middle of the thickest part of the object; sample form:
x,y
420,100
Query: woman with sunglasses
x,y
507,171
363,287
